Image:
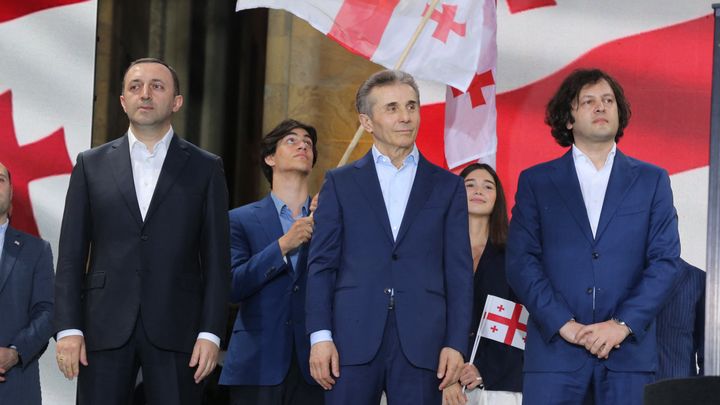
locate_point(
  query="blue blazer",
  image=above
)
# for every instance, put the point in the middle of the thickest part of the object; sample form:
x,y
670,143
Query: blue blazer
x,y
560,271
271,319
26,303
354,261
681,328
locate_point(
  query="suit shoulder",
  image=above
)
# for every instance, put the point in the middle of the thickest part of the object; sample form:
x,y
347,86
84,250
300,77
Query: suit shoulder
x,y
100,149
27,239
244,210
540,168
646,167
196,150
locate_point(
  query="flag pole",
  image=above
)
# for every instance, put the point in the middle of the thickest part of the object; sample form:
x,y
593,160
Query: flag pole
x,y
478,334
401,60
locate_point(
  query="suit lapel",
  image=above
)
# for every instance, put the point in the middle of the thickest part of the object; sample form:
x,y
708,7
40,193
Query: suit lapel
x,y
622,176
367,180
566,181
421,190
11,250
175,160
267,217
122,172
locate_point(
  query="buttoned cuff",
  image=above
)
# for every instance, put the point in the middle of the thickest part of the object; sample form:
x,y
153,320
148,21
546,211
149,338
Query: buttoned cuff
x,y
209,336
320,336
69,332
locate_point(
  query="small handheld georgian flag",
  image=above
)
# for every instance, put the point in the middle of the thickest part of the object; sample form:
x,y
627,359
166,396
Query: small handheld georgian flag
x,y
504,321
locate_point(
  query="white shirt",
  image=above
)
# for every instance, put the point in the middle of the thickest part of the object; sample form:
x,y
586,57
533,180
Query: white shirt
x,y
593,183
146,169
395,184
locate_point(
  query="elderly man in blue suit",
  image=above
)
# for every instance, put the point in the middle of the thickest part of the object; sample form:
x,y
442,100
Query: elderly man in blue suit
x,y
26,302
390,271
593,252
267,360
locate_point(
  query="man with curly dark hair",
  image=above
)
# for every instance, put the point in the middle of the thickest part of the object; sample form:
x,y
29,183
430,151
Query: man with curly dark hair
x,y
593,251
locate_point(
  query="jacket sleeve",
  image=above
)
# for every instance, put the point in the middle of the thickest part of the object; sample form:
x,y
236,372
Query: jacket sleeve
x,y
458,266
215,254
73,252
32,340
663,268
524,265
324,258
251,271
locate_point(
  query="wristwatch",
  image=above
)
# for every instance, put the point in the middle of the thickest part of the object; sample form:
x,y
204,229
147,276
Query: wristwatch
x,y
621,322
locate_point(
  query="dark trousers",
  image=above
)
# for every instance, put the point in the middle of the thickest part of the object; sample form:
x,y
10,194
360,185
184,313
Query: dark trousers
x,y
593,383
294,390
389,371
110,375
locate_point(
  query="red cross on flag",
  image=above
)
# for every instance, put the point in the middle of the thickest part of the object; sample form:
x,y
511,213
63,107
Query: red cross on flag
x,y
46,94
504,321
447,50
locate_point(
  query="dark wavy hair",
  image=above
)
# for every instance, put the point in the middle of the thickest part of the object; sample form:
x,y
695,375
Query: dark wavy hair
x,y
557,113
498,216
268,144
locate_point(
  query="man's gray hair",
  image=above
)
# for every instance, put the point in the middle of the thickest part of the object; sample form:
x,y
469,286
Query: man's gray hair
x,y
379,79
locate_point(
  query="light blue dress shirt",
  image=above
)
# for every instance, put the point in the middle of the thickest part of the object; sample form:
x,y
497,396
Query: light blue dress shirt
x,y
287,220
3,229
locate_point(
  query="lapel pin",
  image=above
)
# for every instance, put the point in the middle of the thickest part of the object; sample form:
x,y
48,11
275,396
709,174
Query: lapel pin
x,y
17,243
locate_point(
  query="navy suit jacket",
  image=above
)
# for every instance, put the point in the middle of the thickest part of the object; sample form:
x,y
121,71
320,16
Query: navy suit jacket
x,y
26,303
271,319
173,267
354,261
560,271
681,328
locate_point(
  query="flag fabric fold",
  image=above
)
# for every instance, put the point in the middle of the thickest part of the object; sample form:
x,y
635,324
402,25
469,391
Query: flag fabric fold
x,y
447,49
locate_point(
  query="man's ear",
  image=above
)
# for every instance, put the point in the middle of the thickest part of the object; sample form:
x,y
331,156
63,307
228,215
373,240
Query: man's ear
x,y
177,103
366,122
270,160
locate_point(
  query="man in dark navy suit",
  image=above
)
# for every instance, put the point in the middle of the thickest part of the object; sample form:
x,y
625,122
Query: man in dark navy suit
x,y
389,296
144,262
26,303
681,327
267,360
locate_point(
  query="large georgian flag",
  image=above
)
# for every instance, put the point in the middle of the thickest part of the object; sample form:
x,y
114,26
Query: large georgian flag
x,y
447,50
659,50
47,71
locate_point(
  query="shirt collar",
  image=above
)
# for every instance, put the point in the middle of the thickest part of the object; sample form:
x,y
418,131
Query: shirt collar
x,y
279,205
165,141
412,158
579,155
3,227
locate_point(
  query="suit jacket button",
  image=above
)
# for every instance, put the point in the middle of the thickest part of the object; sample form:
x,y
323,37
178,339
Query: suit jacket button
x,y
589,290
387,291
595,255
144,238
296,288
394,256
288,322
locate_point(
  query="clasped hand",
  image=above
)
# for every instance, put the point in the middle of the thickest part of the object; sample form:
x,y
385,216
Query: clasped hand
x,y
598,338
